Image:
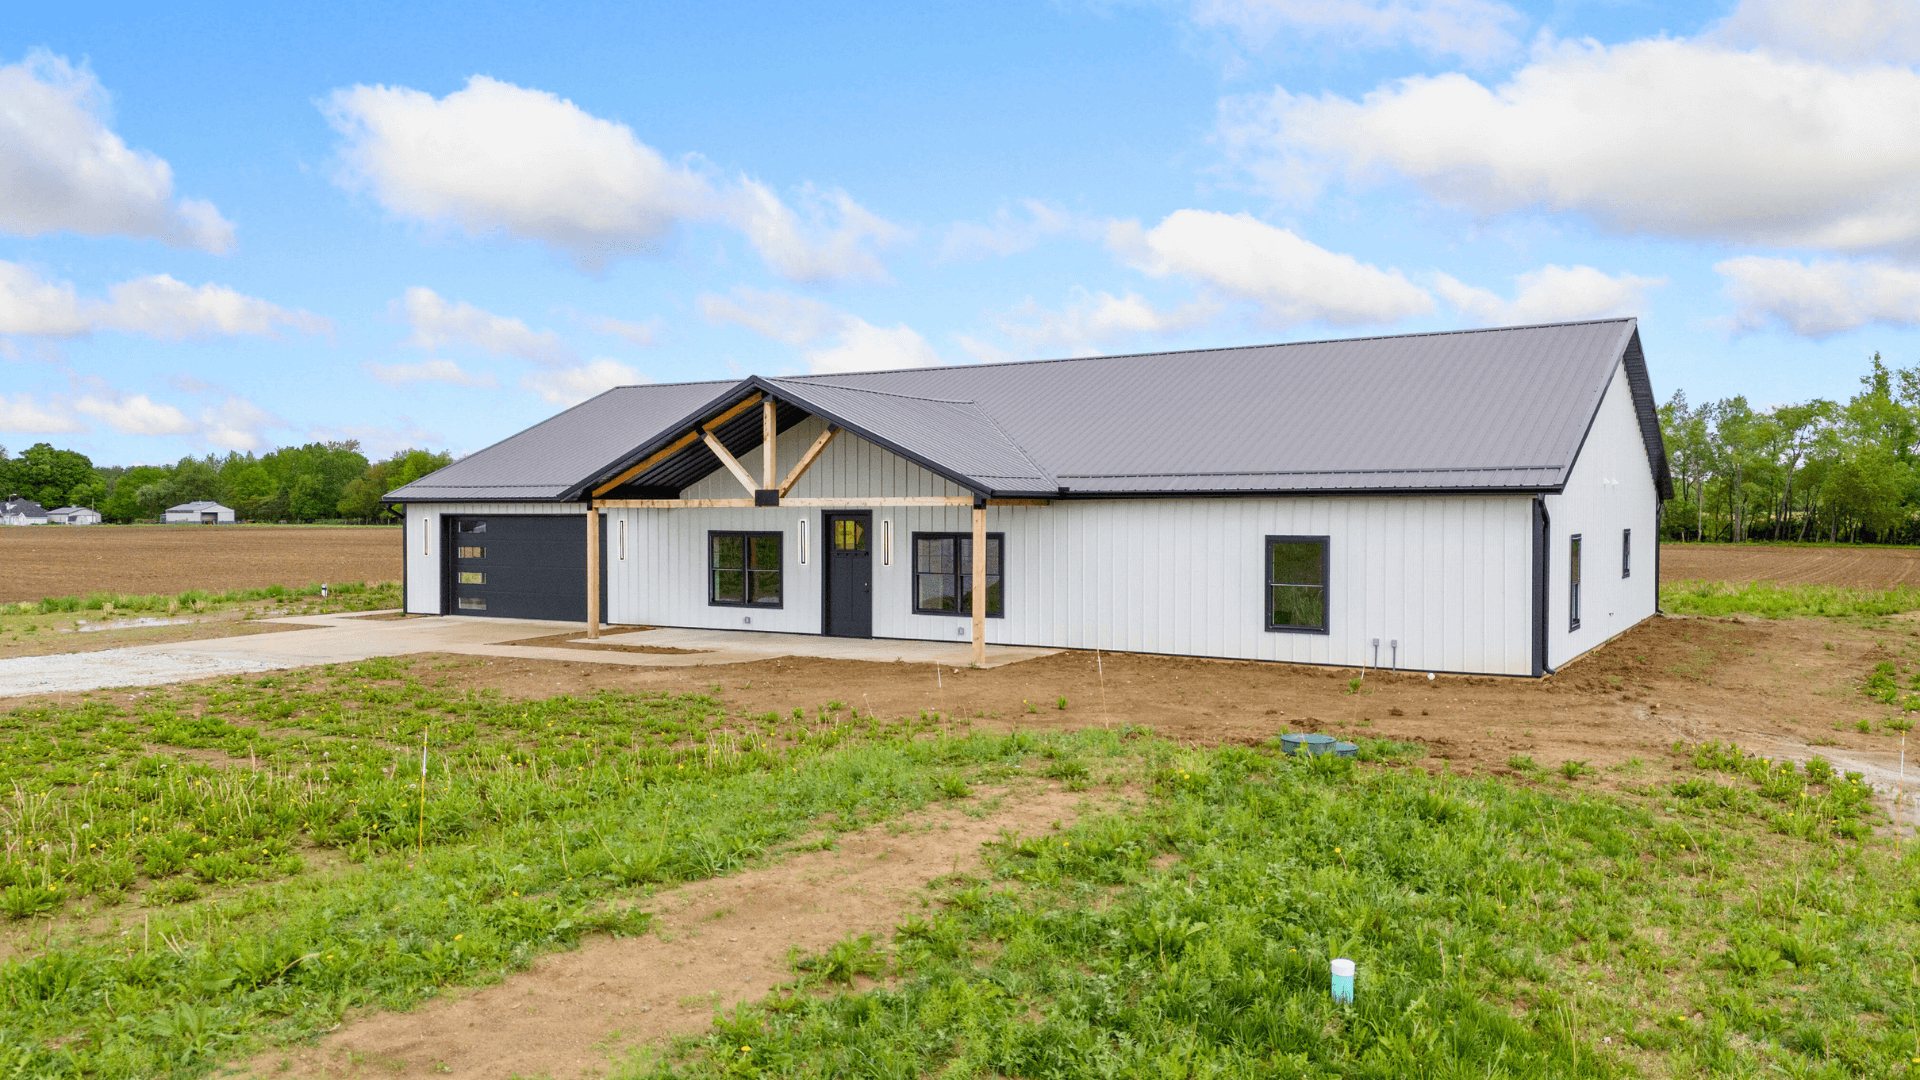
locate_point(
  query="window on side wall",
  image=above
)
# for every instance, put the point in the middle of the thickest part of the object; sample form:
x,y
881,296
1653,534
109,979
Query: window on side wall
x,y
943,574
743,569
1626,553
1296,584
1573,584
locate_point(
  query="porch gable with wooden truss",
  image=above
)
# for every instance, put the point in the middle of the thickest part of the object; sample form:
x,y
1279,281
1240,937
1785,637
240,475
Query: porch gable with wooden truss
x,y
751,418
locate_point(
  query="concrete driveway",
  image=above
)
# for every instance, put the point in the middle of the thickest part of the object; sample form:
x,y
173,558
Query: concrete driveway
x,y
345,639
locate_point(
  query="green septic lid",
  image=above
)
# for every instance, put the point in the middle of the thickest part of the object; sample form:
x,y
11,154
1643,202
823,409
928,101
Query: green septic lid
x,y
1290,743
1319,744
1345,749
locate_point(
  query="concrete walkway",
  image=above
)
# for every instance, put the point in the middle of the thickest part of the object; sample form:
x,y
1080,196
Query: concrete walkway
x,y
345,639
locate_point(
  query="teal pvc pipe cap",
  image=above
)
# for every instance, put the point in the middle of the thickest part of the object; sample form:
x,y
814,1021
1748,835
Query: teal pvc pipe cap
x,y
1345,749
1319,744
1343,981
1290,743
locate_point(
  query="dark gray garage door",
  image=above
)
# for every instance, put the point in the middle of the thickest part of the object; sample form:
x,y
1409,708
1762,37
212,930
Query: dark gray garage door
x,y
521,567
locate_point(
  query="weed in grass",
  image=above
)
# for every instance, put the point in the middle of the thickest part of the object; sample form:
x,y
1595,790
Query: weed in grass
x,y
842,961
1521,763
1574,770
1060,703
1863,726
1776,601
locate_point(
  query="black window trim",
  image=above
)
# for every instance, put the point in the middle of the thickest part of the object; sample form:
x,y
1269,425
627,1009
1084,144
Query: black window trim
x,y
1267,583
1626,553
1575,572
707,567
913,571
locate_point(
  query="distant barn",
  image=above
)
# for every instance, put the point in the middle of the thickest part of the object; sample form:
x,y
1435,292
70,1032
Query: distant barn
x,y
19,511
200,512
1481,501
73,515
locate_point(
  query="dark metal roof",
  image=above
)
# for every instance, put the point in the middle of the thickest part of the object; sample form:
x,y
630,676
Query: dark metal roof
x,y
551,458
1478,410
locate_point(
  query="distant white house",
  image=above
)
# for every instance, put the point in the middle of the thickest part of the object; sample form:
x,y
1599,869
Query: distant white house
x,y
199,512
73,515
19,511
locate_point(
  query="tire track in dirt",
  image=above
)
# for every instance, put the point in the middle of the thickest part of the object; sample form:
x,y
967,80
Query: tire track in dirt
x,y
714,944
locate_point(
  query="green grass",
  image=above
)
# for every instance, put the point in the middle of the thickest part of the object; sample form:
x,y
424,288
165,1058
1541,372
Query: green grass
x,y
348,596
1738,918
1774,601
1699,928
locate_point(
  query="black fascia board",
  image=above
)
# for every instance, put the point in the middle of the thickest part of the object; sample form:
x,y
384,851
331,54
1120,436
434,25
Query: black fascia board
x,y
690,422
782,392
1276,493
739,392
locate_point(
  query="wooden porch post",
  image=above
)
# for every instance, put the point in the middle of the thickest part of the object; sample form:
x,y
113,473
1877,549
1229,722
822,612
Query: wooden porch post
x,y
980,586
593,570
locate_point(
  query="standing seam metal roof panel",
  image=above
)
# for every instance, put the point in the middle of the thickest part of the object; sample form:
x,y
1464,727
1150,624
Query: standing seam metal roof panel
x,y
1499,409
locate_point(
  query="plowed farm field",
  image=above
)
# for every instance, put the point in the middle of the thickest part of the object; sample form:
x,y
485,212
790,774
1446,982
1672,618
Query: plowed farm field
x,y
59,560
1856,568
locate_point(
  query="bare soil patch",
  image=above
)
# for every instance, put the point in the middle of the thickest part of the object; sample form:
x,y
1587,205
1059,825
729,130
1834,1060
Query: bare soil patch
x,y
568,641
56,633
1858,568
63,560
714,944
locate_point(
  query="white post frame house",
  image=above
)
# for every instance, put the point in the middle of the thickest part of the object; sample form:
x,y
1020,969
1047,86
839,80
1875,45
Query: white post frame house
x,y
1408,501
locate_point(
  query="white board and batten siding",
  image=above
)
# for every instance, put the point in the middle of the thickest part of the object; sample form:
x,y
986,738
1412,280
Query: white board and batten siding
x,y
1448,577
425,558
1609,490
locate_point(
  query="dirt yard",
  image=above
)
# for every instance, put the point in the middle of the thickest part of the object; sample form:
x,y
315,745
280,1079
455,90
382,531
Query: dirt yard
x,y
63,560
1860,568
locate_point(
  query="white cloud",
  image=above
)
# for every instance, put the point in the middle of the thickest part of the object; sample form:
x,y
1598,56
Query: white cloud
x,y
570,386
1821,298
22,414
788,319
865,347
436,324
798,321
1474,30
134,414
645,335
498,158
237,424
1840,31
1009,233
1293,280
1550,294
376,441
1091,321
160,307
437,370
157,306
984,352
62,169
1657,136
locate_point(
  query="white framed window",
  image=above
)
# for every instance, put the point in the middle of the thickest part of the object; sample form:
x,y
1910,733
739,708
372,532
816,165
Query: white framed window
x,y
623,539
886,542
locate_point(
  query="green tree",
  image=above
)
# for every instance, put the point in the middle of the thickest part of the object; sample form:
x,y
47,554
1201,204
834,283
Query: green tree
x,y
123,501
48,476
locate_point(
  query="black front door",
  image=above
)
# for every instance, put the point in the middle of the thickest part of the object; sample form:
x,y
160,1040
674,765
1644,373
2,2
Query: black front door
x,y
849,574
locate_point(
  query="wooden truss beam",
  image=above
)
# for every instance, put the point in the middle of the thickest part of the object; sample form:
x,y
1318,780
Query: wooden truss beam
x,y
733,465
807,459
769,431
679,444
593,572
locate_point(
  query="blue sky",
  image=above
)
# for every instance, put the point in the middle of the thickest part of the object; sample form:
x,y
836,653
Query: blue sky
x,y
240,226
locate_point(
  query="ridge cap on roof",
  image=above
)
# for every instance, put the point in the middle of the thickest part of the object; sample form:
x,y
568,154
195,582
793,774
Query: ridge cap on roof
x,y
1219,348
890,393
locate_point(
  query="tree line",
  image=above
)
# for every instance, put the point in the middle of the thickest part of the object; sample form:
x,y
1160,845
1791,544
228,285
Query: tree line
x,y
321,481
1814,470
